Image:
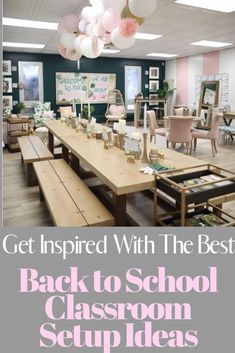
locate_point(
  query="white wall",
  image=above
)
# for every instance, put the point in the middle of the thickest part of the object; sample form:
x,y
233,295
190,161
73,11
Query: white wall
x,y
195,68
171,75
227,65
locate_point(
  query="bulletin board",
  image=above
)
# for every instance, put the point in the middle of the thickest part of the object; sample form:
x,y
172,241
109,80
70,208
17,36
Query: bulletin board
x,y
83,87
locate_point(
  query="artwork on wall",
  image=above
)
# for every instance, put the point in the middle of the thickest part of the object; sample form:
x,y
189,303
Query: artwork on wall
x,y
154,73
6,67
7,102
83,87
153,86
7,85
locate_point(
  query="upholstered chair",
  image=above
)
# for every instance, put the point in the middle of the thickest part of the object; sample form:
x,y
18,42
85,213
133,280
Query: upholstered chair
x,y
43,113
115,108
180,131
182,111
153,126
65,111
212,134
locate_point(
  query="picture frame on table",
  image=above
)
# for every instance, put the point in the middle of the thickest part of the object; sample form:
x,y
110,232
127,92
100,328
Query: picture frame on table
x,y
7,102
7,85
154,73
153,99
6,67
153,86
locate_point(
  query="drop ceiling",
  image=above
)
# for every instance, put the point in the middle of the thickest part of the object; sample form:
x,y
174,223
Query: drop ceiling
x,y
179,25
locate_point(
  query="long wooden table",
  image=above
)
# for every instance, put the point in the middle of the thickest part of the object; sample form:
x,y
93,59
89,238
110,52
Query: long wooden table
x,y
111,166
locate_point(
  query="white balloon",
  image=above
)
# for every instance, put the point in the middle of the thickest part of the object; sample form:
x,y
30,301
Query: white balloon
x,y
72,54
67,40
89,14
142,8
82,26
98,6
92,47
77,43
90,29
121,42
117,5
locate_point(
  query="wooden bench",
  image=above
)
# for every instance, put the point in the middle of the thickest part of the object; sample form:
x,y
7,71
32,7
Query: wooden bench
x,y
32,150
70,202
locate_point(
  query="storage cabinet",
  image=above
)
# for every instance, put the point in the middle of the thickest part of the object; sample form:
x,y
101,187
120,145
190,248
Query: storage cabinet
x,y
16,127
191,190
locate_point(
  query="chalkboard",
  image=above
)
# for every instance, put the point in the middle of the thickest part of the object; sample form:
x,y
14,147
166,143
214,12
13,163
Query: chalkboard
x,y
83,87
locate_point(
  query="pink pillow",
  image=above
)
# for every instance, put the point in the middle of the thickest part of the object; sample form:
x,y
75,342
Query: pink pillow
x,y
116,110
48,114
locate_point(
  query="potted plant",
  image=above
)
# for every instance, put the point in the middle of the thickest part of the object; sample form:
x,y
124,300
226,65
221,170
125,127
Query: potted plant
x,y
19,107
85,111
164,92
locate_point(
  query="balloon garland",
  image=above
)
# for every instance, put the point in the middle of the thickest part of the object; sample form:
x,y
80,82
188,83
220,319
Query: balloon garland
x,y
102,23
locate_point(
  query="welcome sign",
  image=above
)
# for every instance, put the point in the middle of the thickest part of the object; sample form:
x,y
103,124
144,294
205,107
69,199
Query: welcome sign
x,y
83,87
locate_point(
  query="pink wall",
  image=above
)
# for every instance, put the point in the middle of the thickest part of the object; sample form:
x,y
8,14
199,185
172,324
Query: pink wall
x,y
210,66
211,63
182,80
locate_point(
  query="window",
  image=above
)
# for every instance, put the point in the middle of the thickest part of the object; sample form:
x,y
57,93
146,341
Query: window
x,y
31,80
133,85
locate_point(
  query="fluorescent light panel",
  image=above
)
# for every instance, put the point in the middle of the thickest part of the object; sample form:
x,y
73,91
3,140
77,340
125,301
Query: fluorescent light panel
x,y
162,55
208,43
110,51
29,24
147,36
23,45
215,5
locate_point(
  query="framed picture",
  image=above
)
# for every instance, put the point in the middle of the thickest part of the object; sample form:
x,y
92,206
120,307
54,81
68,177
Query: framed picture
x,y
6,67
154,99
153,86
7,85
154,73
7,102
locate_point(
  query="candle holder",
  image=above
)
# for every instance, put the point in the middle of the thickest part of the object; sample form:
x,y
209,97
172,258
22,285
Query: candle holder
x,y
121,141
110,138
145,153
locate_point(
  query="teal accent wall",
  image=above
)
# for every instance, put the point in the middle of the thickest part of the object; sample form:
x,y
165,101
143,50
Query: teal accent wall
x,y
55,63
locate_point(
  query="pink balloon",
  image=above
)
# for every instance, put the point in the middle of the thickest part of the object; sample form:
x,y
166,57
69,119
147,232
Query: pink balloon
x,y
70,23
100,29
110,20
62,51
72,54
60,28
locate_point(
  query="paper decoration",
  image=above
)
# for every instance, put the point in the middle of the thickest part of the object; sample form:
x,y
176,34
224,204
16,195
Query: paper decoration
x,y
83,87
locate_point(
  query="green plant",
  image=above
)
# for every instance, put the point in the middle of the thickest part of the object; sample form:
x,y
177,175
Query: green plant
x,y
85,110
19,107
164,92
